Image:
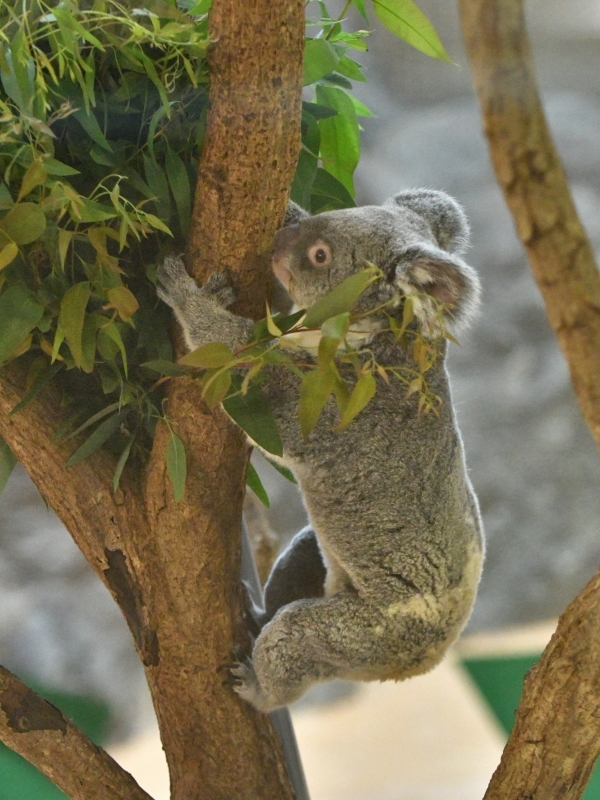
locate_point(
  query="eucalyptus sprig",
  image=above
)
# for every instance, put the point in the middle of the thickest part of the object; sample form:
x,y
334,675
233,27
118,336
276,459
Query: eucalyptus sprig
x,y
103,107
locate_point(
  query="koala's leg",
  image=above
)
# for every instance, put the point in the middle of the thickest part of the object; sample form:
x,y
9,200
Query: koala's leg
x,y
298,573
338,637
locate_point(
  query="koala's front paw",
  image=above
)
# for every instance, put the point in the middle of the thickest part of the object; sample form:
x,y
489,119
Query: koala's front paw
x,y
174,286
219,287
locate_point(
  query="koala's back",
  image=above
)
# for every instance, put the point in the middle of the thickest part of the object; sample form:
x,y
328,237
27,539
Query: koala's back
x,y
388,497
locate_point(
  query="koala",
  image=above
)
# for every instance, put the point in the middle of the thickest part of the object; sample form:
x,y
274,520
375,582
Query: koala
x,y
383,580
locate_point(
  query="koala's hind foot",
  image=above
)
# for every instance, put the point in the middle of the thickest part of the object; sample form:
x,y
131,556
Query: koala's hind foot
x,y
341,636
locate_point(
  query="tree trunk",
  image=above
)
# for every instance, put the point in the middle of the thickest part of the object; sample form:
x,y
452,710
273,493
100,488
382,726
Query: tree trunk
x,y
173,567
556,738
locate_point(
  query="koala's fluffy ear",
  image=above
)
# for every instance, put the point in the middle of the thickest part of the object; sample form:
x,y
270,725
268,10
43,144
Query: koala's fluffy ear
x,y
430,272
294,213
445,216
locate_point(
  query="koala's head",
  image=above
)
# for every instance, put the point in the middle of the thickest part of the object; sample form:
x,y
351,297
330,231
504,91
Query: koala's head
x,y
415,238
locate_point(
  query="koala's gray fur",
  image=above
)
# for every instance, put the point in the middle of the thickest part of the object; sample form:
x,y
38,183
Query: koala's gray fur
x,y
384,579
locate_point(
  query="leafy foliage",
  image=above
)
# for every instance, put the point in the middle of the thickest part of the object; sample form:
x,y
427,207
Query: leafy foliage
x,y
103,108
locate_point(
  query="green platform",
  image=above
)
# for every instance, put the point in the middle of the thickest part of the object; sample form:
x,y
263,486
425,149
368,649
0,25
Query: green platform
x,y
500,680
18,779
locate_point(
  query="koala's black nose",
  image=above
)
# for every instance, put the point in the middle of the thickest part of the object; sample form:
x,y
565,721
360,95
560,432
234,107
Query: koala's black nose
x,y
285,239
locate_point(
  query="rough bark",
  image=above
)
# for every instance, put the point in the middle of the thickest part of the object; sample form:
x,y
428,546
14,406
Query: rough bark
x,y
173,567
536,190
555,742
35,729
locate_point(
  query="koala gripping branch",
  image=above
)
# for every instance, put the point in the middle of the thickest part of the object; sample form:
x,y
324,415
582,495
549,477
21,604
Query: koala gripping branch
x,y
536,190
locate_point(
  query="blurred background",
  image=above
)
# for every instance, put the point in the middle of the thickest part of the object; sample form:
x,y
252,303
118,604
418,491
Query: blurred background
x,y
533,464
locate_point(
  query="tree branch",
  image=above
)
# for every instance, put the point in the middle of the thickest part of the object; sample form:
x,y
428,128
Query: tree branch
x,y
536,189
555,742
38,731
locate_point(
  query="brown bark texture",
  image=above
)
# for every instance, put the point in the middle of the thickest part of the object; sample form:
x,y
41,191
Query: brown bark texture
x,y
555,742
173,568
40,733
536,189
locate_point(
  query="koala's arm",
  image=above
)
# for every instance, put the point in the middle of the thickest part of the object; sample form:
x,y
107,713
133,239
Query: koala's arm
x,y
202,310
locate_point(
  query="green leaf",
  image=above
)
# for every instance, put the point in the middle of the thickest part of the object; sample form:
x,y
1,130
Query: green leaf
x,y
209,356
306,168
88,341
360,5
341,298
7,463
157,181
37,386
216,388
315,391
20,312
253,414
361,394
90,125
346,66
180,186
72,316
408,22
98,437
333,330
8,254
176,465
327,193
91,211
164,367
112,331
95,418
124,301
254,482
18,79
121,463
287,473
23,224
320,58
35,174
54,167
340,137
318,112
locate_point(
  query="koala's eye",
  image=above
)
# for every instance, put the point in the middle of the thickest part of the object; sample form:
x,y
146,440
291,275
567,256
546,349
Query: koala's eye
x,y
320,255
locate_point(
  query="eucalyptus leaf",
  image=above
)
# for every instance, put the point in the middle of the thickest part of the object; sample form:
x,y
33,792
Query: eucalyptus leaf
x,y
209,356
216,389
102,433
20,312
176,465
287,473
361,395
408,22
44,378
254,482
23,224
340,138
121,463
341,298
7,463
253,414
320,58
180,187
72,316
315,391
328,193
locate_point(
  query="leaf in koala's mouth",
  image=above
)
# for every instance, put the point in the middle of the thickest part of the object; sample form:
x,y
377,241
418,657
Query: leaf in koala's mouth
x,y
342,297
